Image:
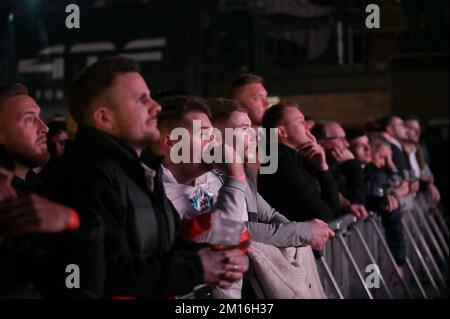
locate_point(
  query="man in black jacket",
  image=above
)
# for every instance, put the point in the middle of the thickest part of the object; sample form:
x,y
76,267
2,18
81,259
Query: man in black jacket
x,y
292,189
103,175
346,170
379,171
395,132
24,216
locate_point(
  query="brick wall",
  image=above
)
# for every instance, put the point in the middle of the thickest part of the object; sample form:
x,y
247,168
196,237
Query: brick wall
x,y
349,108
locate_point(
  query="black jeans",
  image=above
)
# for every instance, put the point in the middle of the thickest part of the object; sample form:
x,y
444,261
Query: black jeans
x,y
392,223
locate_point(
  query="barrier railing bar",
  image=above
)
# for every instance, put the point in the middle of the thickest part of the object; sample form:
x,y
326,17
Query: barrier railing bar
x,y
419,213
426,248
354,264
372,260
416,278
422,244
431,217
443,222
342,222
438,233
420,256
331,279
392,260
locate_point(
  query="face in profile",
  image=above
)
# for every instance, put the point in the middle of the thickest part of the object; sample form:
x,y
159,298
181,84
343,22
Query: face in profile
x,y
22,131
398,129
381,152
135,112
254,97
57,142
201,135
413,130
190,141
293,127
335,138
360,147
245,138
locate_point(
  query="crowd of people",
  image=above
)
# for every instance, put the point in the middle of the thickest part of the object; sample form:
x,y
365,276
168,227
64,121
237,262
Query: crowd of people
x,y
102,190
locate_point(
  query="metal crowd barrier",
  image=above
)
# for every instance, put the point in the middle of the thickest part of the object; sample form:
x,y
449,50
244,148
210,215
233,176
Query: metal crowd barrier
x,y
358,262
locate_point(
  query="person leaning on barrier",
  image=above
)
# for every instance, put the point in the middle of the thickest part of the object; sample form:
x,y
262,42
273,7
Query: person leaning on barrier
x,y
376,177
346,170
292,189
24,215
383,196
103,175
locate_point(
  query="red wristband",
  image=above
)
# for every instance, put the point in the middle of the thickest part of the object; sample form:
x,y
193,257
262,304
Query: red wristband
x,y
74,221
123,297
242,178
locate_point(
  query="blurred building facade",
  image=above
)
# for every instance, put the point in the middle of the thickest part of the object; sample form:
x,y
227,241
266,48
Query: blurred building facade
x,y
318,52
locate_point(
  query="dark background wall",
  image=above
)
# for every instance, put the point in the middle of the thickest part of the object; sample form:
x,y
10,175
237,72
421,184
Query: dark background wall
x,y
318,52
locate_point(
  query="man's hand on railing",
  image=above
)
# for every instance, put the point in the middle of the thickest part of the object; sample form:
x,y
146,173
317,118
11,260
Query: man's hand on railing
x,y
414,187
391,203
320,233
358,210
401,190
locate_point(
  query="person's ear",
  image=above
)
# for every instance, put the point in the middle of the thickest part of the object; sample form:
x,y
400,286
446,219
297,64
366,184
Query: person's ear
x,y
104,118
282,132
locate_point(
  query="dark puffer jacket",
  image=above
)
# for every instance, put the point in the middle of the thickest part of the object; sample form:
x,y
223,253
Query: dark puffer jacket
x,y
142,254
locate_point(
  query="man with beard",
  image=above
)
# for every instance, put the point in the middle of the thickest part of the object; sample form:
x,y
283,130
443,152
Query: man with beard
x,y
417,158
104,175
22,148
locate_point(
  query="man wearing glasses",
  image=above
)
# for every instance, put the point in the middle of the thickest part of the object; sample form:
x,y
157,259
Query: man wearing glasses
x,y
345,168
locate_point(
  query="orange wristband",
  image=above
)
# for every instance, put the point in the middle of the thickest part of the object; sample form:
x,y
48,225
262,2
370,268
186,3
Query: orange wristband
x,y
242,178
74,221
